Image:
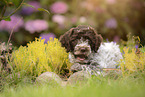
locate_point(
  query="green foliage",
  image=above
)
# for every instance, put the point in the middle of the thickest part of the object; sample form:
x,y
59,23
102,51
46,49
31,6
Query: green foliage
x,y
38,57
9,4
142,49
39,9
134,57
14,3
42,9
17,2
89,13
96,87
132,62
131,41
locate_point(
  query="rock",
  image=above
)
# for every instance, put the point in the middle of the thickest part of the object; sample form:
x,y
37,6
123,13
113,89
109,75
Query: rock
x,y
80,77
49,78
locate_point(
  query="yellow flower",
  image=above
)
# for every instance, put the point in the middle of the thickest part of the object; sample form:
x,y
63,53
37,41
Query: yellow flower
x,y
38,57
132,62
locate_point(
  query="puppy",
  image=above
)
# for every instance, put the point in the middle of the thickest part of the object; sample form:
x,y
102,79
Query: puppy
x,y
86,50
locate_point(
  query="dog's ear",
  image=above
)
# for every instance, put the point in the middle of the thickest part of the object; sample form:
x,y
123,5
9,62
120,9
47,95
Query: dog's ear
x,y
98,42
96,39
65,40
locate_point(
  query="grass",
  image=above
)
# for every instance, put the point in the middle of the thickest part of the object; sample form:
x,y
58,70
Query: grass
x,y
128,86
130,83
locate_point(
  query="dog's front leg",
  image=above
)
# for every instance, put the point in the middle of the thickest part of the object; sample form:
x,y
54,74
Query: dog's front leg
x,y
76,67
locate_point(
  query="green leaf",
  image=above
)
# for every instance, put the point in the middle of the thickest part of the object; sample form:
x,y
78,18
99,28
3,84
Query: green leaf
x,y
16,2
3,3
7,19
28,5
6,0
39,9
42,9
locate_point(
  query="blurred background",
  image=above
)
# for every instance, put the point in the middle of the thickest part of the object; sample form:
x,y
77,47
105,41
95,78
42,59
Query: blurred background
x,y
113,19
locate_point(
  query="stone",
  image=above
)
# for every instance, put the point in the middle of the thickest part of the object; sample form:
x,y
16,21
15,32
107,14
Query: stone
x,y
49,78
80,77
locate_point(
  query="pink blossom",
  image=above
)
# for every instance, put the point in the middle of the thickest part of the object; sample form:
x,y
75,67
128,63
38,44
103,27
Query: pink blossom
x,y
59,7
116,39
111,23
111,1
82,19
99,10
36,26
74,19
60,19
16,23
28,10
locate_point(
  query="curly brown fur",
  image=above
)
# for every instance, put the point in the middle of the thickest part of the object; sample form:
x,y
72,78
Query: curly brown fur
x,y
69,39
86,51
82,43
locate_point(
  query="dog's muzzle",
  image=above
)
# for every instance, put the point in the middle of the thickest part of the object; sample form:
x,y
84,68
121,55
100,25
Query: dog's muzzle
x,y
82,54
82,51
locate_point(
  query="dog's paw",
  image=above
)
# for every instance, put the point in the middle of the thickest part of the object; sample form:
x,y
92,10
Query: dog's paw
x,y
76,67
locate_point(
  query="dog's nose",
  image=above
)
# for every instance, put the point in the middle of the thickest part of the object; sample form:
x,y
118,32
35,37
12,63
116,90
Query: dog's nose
x,y
83,49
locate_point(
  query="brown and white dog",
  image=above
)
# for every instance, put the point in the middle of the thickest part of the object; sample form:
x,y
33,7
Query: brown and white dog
x,y
86,50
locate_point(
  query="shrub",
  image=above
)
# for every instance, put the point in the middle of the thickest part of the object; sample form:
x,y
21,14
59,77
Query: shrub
x,y
37,57
132,61
142,49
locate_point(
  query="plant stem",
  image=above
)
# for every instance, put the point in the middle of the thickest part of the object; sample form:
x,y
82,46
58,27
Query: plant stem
x,y
13,30
15,10
3,12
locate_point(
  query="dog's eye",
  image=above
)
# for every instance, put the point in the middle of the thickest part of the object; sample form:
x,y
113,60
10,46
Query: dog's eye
x,y
74,42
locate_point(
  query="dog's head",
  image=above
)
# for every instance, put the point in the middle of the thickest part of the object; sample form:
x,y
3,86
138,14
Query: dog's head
x,y
81,42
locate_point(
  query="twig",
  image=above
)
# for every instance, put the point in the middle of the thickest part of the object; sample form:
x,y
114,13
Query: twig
x,y
15,10
4,54
3,12
13,31
108,69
